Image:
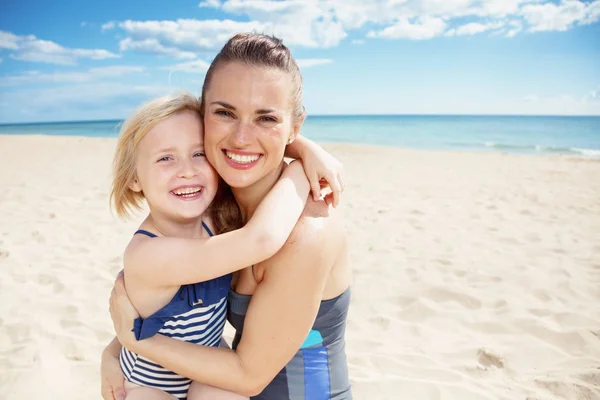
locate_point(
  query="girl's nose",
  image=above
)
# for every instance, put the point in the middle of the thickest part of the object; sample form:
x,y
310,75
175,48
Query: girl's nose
x,y
186,169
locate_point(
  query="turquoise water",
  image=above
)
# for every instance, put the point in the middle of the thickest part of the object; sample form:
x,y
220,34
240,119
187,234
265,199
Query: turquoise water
x,y
559,135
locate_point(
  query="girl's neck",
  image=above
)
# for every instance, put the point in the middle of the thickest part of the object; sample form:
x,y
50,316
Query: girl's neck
x,y
248,198
191,229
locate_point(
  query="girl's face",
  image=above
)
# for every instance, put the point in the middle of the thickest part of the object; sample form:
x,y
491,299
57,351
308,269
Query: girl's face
x,y
172,170
248,121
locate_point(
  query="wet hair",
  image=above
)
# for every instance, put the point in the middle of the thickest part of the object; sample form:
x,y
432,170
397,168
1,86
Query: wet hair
x,y
224,209
258,50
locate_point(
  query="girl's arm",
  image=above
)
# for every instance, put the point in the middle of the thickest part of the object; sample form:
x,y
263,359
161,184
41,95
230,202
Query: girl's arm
x,y
280,315
320,166
168,261
112,379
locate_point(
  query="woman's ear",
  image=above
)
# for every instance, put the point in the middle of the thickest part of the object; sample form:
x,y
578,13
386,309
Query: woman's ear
x,y
296,129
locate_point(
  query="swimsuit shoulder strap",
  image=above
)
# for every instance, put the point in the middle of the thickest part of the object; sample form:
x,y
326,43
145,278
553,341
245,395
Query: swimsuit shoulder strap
x,y
143,232
207,229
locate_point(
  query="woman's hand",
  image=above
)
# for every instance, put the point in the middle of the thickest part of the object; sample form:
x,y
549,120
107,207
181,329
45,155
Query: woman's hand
x,y
123,313
111,376
322,170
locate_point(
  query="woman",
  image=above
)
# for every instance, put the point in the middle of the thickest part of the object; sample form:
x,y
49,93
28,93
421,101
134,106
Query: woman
x,y
289,341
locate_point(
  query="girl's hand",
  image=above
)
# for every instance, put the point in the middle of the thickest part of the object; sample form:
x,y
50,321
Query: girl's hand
x,y
112,386
123,313
322,170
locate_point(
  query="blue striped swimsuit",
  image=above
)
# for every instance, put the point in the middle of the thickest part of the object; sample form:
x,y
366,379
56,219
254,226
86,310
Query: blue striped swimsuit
x,y
196,314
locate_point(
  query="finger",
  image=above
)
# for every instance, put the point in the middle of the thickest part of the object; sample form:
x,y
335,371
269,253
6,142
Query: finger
x,y
107,393
336,189
120,392
119,286
315,187
328,198
342,180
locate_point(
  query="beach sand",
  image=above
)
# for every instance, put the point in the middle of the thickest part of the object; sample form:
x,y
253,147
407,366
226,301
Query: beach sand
x,y
476,275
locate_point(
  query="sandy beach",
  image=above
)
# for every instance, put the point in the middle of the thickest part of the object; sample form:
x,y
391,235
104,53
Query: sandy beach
x,y
476,275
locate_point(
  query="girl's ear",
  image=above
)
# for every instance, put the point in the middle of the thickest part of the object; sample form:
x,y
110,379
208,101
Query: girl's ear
x,y
135,185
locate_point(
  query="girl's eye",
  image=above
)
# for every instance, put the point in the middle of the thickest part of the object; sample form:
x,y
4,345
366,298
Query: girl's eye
x,y
266,118
199,154
165,158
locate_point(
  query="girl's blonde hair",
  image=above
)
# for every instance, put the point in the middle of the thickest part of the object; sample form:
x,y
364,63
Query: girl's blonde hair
x,y
226,215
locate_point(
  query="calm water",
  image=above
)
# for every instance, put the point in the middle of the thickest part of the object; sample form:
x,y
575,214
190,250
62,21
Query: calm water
x,y
562,135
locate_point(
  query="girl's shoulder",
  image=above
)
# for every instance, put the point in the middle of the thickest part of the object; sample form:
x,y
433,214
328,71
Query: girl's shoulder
x,y
319,225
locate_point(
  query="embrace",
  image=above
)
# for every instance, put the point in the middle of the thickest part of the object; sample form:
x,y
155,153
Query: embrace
x,y
232,233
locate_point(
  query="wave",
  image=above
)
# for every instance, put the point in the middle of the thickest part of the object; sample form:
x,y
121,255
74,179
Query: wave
x,y
537,148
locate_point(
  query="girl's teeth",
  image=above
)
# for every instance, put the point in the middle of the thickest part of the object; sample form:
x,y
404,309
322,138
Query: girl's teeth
x,y
242,159
186,191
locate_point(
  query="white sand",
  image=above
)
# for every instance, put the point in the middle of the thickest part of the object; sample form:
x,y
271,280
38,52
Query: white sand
x,y
477,276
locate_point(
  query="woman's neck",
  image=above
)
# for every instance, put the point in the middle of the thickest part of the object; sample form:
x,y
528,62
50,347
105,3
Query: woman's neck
x,y
191,229
248,198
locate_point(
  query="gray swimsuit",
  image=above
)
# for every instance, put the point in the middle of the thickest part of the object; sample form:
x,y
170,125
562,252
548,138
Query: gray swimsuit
x,y
318,370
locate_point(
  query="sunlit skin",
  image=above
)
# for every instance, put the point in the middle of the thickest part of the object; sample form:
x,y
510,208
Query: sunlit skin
x,y
249,120
171,161
249,116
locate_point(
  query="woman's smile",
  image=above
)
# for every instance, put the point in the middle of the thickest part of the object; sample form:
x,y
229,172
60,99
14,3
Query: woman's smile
x,y
241,159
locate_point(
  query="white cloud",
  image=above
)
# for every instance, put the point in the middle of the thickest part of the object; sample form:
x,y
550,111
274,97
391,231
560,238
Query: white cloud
x,y
532,98
516,27
358,41
153,46
311,62
184,35
92,74
87,101
325,23
10,41
30,48
560,17
196,66
560,104
473,28
108,26
422,28
210,3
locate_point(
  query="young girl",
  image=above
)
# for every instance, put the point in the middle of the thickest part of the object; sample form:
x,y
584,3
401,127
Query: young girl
x,y
176,272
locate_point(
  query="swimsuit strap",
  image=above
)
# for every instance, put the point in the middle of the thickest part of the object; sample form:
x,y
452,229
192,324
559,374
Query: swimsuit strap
x,y
143,232
207,229
152,235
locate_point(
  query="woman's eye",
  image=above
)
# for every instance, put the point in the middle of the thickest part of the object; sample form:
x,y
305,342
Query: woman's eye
x,y
223,113
266,118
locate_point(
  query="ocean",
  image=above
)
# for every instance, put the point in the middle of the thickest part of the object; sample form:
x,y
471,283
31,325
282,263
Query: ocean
x,y
513,134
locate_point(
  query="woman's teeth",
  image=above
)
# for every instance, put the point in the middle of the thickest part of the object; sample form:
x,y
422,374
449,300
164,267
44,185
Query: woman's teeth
x,y
187,192
242,159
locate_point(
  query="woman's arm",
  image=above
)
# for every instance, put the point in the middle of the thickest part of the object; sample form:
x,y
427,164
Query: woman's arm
x,y
319,166
281,313
168,261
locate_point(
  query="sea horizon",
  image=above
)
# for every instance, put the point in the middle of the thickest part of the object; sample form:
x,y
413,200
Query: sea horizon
x,y
530,134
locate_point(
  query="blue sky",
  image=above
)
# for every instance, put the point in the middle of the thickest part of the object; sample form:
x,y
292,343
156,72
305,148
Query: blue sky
x,y
77,60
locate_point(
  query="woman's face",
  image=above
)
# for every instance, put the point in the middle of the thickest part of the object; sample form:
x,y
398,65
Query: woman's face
x,y
248,121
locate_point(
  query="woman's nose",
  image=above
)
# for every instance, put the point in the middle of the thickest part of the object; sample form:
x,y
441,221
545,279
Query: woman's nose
x,y
242,135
